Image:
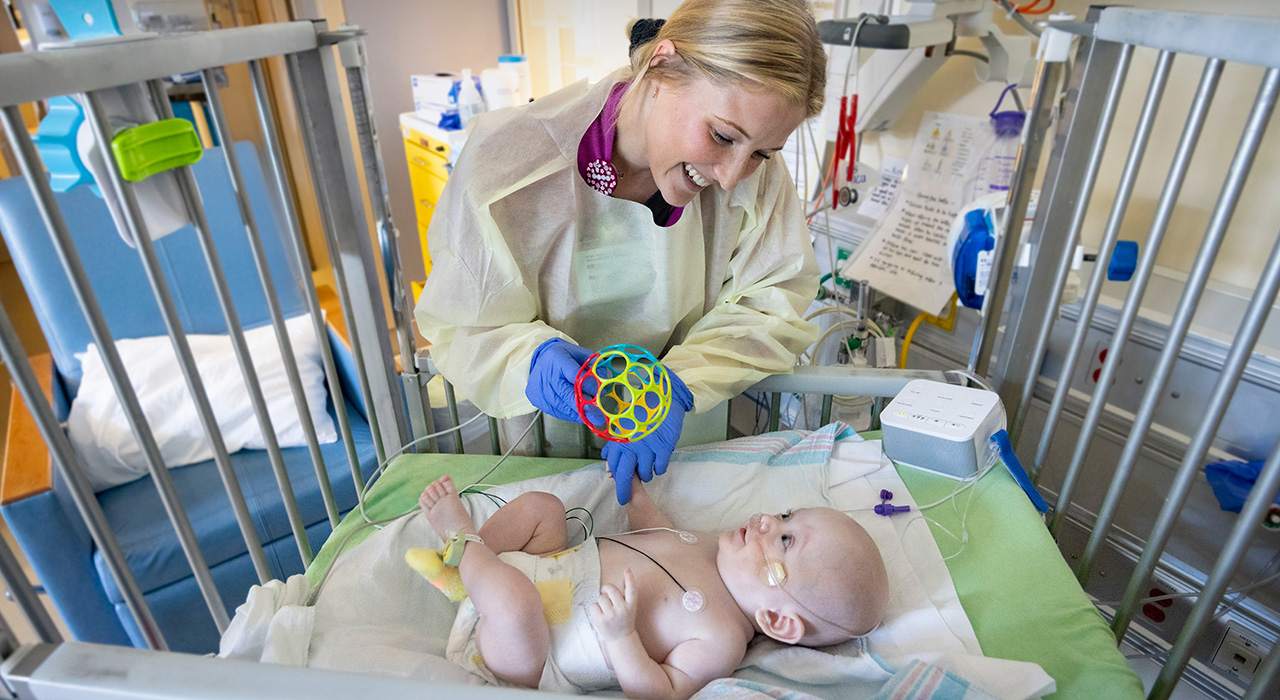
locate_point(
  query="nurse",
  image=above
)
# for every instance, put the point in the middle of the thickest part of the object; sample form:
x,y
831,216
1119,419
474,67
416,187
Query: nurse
x,y
650,208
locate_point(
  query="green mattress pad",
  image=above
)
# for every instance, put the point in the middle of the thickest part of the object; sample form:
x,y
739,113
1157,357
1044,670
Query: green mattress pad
x,y
1020,596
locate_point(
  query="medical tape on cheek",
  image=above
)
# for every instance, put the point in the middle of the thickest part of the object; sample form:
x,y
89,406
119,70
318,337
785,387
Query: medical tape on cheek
x,y
773,573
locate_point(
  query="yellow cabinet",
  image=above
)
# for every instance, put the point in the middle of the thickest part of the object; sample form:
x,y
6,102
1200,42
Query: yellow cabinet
x,y
428,171
430,153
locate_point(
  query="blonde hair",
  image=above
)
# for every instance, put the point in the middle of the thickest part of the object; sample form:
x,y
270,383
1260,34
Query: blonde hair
x,y
769,45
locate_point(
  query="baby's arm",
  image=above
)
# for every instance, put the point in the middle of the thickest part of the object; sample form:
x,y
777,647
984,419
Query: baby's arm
x,y
689,667
642,512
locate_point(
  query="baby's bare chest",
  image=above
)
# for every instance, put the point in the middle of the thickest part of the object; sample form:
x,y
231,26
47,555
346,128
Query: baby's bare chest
x,y
678,591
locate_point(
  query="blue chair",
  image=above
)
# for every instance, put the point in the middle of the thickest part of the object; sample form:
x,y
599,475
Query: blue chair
x,y
37,507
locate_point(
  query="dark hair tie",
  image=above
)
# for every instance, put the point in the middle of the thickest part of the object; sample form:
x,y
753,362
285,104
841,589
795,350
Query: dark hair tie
x,y
643,32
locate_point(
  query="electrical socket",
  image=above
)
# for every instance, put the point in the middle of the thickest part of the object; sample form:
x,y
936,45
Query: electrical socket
x,y
1238,654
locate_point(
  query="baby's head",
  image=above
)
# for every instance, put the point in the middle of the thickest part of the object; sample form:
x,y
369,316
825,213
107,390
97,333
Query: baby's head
x,y
812,576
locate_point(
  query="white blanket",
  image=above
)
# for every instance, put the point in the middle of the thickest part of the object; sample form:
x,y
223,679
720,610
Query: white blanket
x,y
376,615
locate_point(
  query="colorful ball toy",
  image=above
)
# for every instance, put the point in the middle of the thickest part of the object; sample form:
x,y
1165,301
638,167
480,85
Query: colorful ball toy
x,y
623,393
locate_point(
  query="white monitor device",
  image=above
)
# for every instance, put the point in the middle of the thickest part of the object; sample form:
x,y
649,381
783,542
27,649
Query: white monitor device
x,y
941,428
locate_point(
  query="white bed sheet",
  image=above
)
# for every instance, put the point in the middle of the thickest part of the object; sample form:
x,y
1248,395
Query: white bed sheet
x,y
375,615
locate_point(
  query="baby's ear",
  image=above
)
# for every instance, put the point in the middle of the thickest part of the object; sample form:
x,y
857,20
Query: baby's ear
x,y
785,627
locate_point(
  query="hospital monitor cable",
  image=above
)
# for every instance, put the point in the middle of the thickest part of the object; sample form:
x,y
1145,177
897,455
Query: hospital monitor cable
x,y
315,592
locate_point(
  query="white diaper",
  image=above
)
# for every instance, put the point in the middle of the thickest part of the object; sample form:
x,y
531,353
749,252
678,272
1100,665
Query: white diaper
x,y
569,582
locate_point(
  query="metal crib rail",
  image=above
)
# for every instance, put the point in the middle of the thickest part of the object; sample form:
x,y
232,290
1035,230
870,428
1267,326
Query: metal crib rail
x,y
314,81
1092,93
1142,136
139,65
68,467
223,131
1138,285
1246,338
297,254
1115,32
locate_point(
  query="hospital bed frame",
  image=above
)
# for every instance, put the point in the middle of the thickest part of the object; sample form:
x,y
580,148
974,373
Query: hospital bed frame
x,y
1089,99
398,405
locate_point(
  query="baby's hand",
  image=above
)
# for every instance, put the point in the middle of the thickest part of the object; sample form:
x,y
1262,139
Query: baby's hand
x,y
614,613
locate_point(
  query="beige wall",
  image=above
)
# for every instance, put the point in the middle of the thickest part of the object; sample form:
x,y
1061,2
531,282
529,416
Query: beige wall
x,y
419,36
954,88
407,37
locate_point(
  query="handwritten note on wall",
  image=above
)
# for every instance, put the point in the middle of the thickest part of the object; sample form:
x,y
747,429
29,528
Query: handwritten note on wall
x,y
876,205
907,254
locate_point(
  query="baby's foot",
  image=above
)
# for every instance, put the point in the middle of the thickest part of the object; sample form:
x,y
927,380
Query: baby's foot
x,y
444,509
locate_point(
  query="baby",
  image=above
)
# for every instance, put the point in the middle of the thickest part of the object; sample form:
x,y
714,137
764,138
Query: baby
x,y
659,611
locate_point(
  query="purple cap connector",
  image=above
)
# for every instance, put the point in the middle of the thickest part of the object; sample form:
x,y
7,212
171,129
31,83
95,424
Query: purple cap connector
x,y
886,495
890,509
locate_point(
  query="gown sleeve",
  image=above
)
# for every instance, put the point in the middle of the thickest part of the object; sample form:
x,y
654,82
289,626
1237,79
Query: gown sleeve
x,y
476,309
756,325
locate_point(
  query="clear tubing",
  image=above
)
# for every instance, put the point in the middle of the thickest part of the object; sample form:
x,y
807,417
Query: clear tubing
x,y
297,254
296,76
273,307
1090,177
97,119
1254,130
826,408
1138,285
1255,507
14,357
1141,137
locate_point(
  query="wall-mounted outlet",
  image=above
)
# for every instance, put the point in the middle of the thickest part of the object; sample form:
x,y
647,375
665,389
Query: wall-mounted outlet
x,y
1238,654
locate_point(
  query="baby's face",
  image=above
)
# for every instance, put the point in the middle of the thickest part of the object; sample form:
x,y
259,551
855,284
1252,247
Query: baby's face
x,y
768,550
820,556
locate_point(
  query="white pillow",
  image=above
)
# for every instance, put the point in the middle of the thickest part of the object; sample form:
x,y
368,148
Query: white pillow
x,y
100,431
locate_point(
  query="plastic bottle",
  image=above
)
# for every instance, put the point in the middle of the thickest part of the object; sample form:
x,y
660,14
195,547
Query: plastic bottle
x,y
994,169
519,63
500,87
470,103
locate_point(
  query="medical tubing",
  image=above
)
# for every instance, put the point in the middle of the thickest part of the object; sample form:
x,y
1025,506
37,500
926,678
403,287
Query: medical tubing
x,y
839,325
1017,17
970,376
1017,101
1253,585
971,54
315,593
963,485
383,464
590,517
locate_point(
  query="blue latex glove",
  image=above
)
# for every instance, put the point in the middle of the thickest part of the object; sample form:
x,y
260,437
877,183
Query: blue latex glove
x,y
650,454
552,372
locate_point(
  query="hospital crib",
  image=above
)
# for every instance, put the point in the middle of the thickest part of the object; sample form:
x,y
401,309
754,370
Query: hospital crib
x,y
395,400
